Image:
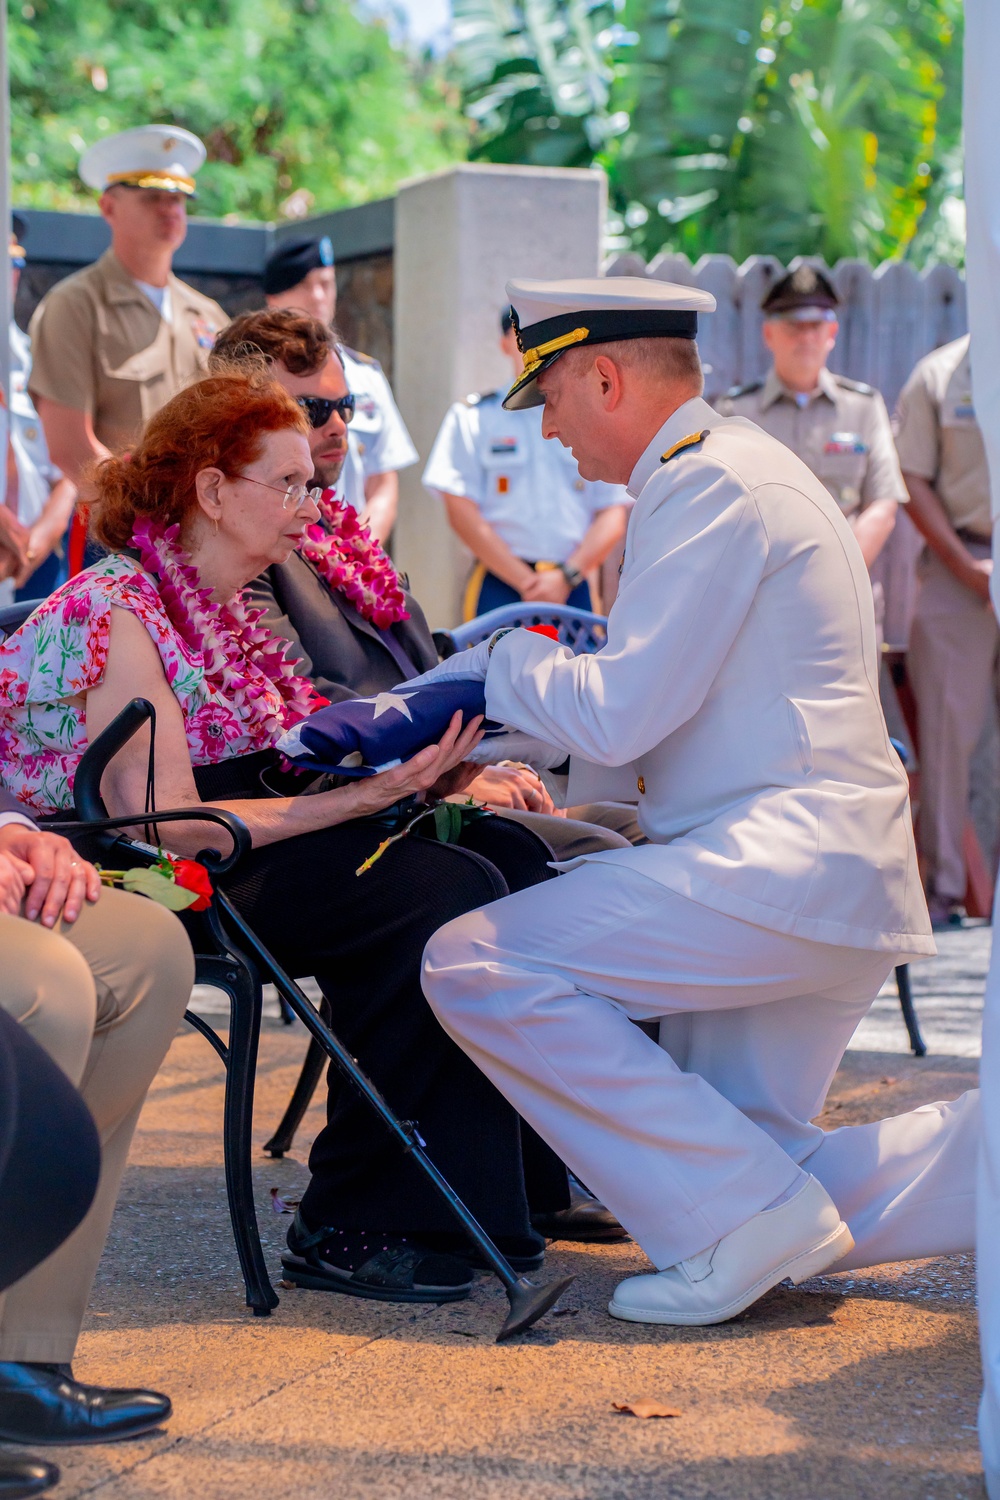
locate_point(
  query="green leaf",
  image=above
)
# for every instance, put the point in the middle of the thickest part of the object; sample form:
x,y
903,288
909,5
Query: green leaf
x,y
151,883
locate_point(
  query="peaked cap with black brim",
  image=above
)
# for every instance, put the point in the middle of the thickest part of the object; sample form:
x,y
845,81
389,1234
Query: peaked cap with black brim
x,y
550,317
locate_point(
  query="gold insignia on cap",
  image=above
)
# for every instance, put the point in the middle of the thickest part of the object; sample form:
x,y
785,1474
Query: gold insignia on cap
x,y
173,182
805,281
685,442
534,357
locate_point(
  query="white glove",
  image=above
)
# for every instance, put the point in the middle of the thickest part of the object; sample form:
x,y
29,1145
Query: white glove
x,y
516,745
472,662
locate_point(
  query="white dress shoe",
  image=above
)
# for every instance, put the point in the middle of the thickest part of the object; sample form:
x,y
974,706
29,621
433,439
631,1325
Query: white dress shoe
x,y
795,1240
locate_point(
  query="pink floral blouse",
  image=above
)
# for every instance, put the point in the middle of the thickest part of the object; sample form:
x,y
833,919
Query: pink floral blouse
x,y
48,665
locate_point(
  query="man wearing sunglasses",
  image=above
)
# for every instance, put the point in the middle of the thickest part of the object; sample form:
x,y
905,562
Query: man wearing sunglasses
x,y
300,274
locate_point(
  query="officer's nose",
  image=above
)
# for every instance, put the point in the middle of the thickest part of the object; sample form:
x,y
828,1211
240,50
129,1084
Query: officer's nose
x,y
549,428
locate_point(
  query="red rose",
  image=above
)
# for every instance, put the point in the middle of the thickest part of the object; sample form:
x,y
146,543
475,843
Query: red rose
x,y
192,876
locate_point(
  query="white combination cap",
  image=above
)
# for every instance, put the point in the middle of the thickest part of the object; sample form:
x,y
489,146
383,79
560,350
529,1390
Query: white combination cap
x,y
553,316
150,156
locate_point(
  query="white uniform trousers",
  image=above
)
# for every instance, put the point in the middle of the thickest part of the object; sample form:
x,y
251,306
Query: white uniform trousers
x,y
687,1140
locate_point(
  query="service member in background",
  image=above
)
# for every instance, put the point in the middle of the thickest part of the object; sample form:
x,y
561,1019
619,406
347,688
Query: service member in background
x,y
534,526
738,693
39,501
955,639
112,343
838,427
301,274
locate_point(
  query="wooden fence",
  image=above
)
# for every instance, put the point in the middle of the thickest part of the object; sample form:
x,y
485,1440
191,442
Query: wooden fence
x,y
890,317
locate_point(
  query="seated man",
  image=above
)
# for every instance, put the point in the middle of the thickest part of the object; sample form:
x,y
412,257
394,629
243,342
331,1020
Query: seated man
x,y
738,692
100,979
339,640
50,1162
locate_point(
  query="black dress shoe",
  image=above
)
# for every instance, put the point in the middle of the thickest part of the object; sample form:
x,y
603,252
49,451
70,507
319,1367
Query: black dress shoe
x,y
25,1476
585,1220
44,1404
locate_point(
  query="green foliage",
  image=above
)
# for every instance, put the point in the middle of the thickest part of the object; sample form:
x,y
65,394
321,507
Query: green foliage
x,y
821,127
301,103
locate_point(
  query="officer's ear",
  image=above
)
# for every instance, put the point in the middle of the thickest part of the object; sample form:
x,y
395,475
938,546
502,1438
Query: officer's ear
x,y
206,484
608,373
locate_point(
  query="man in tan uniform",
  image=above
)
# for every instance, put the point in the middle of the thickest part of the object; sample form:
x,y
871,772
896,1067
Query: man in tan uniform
x,y
838,427
955,638
112,343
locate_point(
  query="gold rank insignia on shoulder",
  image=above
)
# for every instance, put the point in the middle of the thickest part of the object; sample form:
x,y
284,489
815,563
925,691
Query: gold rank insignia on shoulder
x,y
685,442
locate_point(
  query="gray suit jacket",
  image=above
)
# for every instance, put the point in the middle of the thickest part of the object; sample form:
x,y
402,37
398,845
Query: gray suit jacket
x,y
10,804
332,644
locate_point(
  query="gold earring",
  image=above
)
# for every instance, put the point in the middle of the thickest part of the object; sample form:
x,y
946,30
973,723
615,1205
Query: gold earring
x,y
215,523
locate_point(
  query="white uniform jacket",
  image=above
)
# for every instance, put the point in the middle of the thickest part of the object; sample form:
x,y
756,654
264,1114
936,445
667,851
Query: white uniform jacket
x,y
738,694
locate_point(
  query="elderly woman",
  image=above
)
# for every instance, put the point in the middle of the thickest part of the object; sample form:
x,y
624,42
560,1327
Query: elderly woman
x,y
214,493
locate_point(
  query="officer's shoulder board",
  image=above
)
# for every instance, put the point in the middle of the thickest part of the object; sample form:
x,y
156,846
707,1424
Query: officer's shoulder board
x,y
691,441
854,385
744,390
361,359
480,398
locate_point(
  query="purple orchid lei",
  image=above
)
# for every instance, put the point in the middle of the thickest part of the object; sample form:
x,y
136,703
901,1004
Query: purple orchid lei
x,y
354,564
243,662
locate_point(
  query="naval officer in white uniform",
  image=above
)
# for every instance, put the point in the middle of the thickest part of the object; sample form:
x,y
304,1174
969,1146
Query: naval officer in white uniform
x,y
737,695
535,526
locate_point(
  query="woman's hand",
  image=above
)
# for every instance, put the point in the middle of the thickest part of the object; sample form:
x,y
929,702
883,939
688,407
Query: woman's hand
x,y
422,772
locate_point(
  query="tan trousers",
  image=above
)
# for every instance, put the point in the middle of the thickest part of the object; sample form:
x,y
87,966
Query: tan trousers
x,y
104,997
952,664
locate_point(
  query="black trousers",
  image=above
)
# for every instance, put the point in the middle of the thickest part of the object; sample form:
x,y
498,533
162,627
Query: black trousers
x,y
363,938
50,1156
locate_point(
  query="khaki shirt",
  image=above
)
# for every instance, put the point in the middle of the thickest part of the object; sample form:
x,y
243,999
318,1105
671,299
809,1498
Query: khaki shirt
x,y
938,437
841,432
100,346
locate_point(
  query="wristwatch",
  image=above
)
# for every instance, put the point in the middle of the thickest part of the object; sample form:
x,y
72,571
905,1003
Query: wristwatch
x,y
572,575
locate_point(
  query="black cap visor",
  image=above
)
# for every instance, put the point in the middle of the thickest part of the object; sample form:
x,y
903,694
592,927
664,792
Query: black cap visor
x,y
575,330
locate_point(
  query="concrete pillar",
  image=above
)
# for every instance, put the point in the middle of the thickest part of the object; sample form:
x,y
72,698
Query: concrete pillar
x,y
460,234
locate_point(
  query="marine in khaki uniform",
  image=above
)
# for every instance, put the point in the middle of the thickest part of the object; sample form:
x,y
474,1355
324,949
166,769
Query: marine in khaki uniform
x,y
838,427
955,639
112,343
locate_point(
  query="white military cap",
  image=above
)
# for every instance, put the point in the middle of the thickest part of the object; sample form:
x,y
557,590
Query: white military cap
x,y
150,156
553,316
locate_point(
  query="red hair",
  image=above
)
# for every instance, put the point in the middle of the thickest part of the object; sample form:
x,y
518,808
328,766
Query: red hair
x,y
218,423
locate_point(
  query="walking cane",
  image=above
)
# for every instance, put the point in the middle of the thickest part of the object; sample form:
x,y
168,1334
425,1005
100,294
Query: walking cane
x,y
529,1300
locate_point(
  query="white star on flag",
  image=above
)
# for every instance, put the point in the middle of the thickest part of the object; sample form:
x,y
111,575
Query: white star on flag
x,y
384,702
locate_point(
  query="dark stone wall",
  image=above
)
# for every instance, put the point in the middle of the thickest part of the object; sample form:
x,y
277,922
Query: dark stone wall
x,y
364,306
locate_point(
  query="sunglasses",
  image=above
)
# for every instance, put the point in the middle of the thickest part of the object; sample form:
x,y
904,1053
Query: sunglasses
x,y
319,409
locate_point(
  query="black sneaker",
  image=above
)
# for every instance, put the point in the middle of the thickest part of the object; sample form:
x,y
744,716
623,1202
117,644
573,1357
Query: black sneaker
x,y
386,1267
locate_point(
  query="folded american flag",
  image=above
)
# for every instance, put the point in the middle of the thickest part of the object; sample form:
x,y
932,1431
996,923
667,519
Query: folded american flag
x,y
366,735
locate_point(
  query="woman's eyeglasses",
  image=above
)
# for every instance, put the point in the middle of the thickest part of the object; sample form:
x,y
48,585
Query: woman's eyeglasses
x,y
295,496
319,409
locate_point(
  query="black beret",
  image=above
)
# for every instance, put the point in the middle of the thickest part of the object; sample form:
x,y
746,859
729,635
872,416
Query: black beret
x,y
801,291
291,263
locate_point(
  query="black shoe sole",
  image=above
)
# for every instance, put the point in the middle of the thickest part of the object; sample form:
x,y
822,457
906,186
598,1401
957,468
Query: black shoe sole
x,y
522,1264
584,1236
35,1440
308,1277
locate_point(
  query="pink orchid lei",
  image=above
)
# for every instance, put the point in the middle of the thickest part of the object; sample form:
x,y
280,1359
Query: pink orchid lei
x,y
244,663
354,564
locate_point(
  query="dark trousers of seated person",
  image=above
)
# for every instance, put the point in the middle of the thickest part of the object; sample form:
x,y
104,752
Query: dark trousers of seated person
x,y
363,938
50,1157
